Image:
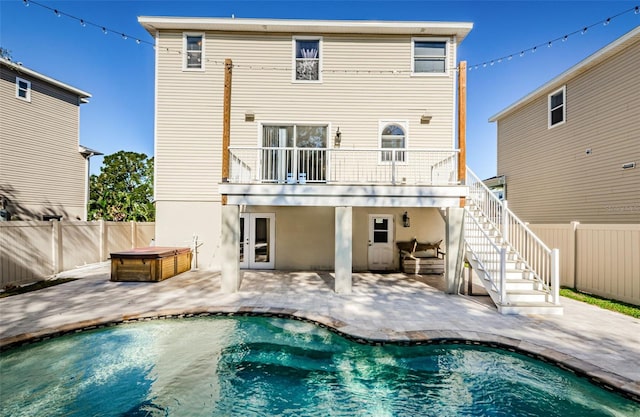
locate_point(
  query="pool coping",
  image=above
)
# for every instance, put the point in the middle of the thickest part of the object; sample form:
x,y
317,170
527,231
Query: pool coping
x,y
598,376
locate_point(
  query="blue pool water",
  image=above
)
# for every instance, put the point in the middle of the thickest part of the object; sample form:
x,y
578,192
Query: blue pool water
x,y
247,366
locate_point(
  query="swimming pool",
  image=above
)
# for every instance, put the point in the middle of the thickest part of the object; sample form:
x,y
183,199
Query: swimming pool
x,y
249,366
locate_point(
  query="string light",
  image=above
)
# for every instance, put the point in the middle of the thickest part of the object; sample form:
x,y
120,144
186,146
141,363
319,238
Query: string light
x,y
124,36
85,23
583,30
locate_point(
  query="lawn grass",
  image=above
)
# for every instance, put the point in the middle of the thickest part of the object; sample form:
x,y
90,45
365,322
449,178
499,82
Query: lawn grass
x,y
607,304
34,287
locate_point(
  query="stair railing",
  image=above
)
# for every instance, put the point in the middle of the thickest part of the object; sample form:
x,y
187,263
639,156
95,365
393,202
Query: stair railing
x,y
490,258
536,257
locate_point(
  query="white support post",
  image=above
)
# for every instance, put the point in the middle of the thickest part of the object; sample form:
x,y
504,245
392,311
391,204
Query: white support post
x,y
555,275
134,234
343,249
505,221
104,241
229,248
503,275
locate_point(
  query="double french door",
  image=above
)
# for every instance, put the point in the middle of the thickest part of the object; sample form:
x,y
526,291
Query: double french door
x,y
257,240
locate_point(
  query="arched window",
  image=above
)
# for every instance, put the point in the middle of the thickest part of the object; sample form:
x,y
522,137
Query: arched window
x,y
393,136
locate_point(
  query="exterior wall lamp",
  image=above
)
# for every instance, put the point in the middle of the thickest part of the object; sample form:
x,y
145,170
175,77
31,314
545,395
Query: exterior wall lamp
x,y
406,221
338,139
425,119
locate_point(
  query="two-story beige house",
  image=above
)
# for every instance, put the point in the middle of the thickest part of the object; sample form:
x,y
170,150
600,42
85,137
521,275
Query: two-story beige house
x,y
312,145
570,150
43,168
312,105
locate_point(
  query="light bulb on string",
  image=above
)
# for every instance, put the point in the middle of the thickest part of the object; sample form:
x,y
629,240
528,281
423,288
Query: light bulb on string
x,y
521,53
138,41
584,30
56,12
534,49
549,45
26,3
606,22
510,57
636,10
104,30
82,23
564,38
124,36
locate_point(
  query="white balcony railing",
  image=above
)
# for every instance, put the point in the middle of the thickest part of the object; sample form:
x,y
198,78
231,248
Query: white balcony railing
x,y
343,166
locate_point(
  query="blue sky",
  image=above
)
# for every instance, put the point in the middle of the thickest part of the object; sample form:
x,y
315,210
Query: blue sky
x,y
119,73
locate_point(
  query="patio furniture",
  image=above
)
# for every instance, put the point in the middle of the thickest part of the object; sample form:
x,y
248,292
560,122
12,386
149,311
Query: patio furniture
x,y
421,258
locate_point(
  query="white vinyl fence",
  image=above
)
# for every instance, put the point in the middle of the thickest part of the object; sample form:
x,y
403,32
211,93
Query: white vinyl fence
x,y
33,250
601,259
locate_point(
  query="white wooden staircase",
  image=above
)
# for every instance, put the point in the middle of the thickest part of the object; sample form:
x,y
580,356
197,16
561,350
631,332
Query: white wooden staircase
x,y
518,270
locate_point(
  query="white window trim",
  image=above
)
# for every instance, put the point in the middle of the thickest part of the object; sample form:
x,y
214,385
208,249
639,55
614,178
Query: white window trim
x,y
562,89
447,56
293,58
403,124
28,96
184,51
290,123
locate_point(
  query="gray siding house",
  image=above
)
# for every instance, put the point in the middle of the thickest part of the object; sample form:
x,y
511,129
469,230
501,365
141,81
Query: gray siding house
x,y
570,150
43,169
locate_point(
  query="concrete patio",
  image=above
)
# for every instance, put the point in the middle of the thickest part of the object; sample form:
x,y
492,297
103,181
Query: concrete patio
x,y
600,344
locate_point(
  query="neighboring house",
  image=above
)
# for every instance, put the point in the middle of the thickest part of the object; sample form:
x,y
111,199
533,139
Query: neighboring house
x,y
319,146
43,169
570,150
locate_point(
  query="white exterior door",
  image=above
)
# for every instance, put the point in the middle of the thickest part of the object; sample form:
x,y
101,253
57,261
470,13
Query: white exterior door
x,y
257,240
380,242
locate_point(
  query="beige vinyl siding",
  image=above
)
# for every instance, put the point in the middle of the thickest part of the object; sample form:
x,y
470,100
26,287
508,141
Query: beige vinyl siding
x,y
550,177
189,104
41,170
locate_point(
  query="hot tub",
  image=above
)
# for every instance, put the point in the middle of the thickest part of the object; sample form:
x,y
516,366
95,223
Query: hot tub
x,y
150,263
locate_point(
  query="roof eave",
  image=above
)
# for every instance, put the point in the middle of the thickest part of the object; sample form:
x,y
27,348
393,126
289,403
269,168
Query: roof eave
x,y
155,23
83,95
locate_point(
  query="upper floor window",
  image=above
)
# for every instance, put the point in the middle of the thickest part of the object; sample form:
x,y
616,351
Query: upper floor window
x,y
23,89
193,51
557,108
393,136
429,56
307,55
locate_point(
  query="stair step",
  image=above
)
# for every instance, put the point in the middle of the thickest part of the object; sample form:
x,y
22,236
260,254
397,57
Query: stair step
x,y
522,284
526,296
531,308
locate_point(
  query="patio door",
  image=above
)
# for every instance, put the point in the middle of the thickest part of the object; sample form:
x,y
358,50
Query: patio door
x,y
257,240
380,254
